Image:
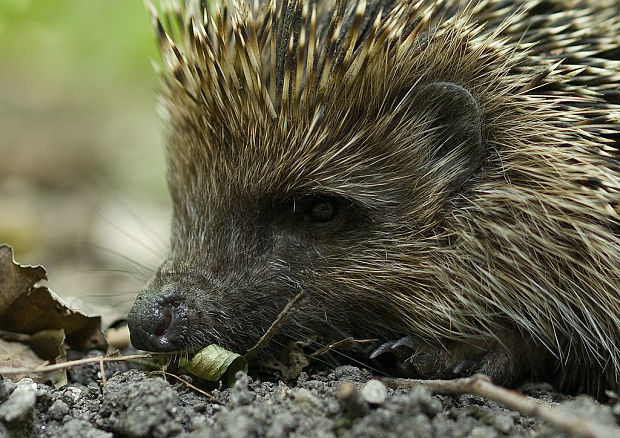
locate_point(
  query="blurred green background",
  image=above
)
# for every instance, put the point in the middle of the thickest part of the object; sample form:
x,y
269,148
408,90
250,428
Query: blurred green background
x,y
82,172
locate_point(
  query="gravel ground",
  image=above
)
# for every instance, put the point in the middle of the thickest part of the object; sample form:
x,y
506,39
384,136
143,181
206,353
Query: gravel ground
x,y
133,403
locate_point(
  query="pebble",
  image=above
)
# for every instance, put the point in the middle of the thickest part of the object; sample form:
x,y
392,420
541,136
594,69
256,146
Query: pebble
x,y
374,392
20,403
58,410
307,401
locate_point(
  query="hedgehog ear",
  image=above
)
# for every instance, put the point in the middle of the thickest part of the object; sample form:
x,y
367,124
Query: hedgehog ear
x,y
457,150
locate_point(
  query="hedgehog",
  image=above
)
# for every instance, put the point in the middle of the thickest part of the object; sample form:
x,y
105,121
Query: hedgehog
x,y
442,176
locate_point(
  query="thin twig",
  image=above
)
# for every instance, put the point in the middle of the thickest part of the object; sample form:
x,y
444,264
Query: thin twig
x,y
481,385
103,379
347,344
45,367
195,388
271,331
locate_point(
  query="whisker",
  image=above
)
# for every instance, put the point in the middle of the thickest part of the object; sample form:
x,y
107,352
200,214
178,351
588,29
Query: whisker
x,y
163,244
140,267
121,272
130,236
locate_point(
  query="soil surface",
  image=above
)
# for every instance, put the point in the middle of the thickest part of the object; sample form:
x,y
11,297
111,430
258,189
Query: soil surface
x,y
134,403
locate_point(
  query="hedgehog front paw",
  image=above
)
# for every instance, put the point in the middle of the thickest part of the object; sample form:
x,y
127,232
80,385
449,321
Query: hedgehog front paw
x,y
414,358
418,358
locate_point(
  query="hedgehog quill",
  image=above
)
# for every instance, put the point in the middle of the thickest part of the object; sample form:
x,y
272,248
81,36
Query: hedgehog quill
x,y
441,175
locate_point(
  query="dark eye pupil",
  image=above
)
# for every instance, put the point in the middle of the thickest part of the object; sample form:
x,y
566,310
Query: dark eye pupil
x,y
322,211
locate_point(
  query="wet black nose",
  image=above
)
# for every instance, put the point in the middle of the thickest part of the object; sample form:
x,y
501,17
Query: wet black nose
x,y
158,322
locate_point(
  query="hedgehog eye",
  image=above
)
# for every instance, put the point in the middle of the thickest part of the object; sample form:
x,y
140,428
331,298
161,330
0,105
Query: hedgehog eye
x,y
321,210
317,210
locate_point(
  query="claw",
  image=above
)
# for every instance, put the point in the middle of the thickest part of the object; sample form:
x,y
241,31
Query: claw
x,y
392,346
383,348
403,342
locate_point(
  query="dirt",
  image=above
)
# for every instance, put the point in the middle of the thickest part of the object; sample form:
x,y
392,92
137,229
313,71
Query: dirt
x,y
135,403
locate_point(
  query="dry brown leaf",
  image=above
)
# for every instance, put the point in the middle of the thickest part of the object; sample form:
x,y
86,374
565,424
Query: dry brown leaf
x,y
20,355
15,279
28,308
47,344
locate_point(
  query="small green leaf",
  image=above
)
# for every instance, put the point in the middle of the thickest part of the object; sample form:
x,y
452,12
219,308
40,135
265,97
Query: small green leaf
x,y
213,361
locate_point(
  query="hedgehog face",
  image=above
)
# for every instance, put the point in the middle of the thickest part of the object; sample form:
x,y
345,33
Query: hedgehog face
x,y
254,228
329,182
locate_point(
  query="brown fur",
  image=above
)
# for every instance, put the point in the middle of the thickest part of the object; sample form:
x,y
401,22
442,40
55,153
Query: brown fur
x,y
506,263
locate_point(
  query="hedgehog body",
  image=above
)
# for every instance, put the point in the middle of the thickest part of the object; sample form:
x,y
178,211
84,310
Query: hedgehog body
x,y
445,172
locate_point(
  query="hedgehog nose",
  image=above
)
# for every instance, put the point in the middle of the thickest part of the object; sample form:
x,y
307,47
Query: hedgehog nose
x,y
157,322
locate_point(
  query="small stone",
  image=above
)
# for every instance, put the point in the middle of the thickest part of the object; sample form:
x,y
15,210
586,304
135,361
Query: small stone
x,y
58,410
483,432
78,428
374,392
240,394
307,401
6,388
281,426
504,423
71,394
350,374
351,401
615,409
302,378
20,403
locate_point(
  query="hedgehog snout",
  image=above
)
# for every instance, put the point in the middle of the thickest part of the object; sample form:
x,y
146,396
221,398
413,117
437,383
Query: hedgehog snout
x,y
158,322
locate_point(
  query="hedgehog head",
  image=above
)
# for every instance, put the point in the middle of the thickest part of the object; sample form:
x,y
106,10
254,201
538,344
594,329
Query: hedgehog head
x,y
380,159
